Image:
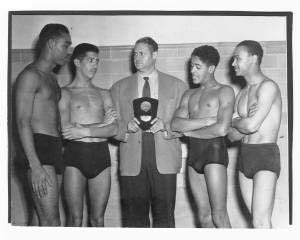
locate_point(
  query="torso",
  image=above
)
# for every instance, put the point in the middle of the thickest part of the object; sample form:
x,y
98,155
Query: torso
x,y
45,115
268,131
87,107
204,103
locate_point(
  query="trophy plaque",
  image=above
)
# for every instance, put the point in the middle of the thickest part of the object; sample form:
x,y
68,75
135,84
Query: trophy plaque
x,y
145,110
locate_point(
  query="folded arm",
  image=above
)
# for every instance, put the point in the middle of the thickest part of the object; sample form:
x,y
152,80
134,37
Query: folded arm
x,y
221,126
106,129
233,134
265,97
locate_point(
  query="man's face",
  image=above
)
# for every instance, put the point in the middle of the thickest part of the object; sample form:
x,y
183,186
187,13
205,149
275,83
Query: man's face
x,y
61,49
144,58
199,70
242,61
88,65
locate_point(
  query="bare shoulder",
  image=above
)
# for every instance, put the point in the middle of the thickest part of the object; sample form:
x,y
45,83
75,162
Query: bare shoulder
x,y
268,89
28,79
66,92
102,91
189,92
268,84
226,90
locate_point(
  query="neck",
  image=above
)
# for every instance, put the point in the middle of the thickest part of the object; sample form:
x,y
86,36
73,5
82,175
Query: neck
x,y
44,64
81,82
209,82
254,77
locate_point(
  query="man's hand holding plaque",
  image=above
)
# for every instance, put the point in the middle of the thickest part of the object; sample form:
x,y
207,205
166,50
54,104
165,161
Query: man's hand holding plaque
x,y
157,125
145,112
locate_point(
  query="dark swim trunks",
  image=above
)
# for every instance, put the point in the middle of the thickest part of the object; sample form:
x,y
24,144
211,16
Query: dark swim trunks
x,y
256,157
207,151
49,151
91,158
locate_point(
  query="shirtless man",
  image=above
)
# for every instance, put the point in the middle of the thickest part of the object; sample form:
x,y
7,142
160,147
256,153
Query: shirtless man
x,y
258,107
87,119
205,116
37,96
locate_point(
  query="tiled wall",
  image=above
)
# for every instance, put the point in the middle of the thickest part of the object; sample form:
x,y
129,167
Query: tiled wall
x,y
173,59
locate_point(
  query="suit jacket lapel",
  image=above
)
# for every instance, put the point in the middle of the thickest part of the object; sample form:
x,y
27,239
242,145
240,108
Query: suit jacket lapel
x,y
131,91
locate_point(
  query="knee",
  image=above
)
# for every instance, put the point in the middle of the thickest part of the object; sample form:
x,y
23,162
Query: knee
x,y
75,220
97,221
51,220
261,221
205,219
219,217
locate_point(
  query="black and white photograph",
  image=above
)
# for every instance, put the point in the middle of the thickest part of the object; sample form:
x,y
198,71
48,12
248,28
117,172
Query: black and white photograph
x,y
135,115
216,153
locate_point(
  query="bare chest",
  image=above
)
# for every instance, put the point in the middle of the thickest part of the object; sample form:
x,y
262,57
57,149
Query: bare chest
x,y
87,101
246,100
49,89
203,103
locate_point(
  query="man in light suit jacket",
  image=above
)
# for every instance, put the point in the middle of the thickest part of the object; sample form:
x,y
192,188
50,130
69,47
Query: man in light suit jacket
x,y
149,160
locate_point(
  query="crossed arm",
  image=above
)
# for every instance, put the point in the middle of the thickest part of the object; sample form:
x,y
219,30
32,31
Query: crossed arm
x,y
266,94
206,128
70,130
233,134
181,121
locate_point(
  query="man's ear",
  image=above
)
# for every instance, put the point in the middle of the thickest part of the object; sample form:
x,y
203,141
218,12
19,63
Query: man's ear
x,y
76,62
51,43
154,55
255,58
211,69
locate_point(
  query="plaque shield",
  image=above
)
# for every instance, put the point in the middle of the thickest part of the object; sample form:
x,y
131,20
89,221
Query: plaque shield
x,y
145,110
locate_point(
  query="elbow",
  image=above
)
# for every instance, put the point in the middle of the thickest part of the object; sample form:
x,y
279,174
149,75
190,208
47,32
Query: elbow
x,y
115,129
251,128
22,123
174,126
231,138
223,131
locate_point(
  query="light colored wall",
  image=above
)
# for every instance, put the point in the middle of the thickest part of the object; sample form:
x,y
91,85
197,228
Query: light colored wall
x,y
173,59
177,36
125,30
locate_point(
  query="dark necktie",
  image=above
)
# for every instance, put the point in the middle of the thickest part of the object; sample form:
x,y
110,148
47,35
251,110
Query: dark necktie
x,y
146,88
148,143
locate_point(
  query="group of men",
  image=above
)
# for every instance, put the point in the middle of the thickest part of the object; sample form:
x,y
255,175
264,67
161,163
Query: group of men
x,y
85,116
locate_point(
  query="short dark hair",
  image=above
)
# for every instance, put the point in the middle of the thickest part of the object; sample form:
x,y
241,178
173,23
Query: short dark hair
x,y
207,54
253,48
81,49
79,52
50,31
150,42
